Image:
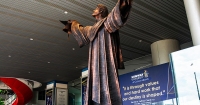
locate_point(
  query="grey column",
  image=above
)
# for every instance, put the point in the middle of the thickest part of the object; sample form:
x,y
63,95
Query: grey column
x,y
160,50
192,8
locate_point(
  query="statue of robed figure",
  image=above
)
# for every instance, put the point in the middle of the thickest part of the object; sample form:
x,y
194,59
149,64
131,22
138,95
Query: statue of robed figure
x,y
105,56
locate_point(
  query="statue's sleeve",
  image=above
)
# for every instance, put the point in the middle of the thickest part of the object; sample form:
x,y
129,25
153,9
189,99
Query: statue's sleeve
x,y
80,33
118,16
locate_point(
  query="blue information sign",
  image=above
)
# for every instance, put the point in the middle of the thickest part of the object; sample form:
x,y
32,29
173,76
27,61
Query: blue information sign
x,y
146,86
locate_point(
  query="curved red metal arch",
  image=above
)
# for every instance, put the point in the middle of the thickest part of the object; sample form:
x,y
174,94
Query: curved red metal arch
x,y
23,92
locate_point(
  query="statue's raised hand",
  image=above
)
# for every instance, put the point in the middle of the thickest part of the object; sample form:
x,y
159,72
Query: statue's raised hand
x,y
67,27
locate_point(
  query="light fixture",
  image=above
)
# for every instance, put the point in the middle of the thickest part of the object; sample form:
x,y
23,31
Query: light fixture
x,y
9,56
31,38
65,12
73,48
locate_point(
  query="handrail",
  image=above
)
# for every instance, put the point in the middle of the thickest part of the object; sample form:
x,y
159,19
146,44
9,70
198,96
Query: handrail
x,y
9,96
10,100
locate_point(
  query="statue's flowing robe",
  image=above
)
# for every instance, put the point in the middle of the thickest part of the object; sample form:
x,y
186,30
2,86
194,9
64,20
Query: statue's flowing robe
x,y
105,57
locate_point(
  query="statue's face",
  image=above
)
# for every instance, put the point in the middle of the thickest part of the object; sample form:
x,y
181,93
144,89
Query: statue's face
x,y
96,12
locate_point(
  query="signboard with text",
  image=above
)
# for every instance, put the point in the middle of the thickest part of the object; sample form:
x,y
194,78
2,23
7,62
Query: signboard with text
x,y
61,96
146,86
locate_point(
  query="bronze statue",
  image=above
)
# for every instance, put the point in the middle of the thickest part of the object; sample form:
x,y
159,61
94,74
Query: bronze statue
x,y
105,56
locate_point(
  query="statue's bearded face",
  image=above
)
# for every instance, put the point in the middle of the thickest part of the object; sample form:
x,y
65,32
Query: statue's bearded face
x,y
96,12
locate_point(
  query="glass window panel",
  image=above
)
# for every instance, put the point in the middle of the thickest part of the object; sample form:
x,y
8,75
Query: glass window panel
x,y
186,68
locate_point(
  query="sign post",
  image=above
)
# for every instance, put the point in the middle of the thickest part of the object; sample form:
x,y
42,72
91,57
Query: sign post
x,y
147,86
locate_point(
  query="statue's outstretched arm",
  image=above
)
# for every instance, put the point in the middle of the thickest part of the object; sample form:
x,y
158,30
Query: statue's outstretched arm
x,y
79,32
125,5
118,16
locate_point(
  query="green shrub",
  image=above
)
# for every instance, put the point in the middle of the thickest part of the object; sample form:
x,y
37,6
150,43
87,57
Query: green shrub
x,y
1,100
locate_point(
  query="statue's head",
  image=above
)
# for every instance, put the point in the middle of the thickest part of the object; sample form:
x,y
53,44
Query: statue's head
x,y
101,9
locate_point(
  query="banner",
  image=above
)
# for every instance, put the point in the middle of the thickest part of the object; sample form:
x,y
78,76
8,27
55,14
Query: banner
x,y
147,86
84,85
49,97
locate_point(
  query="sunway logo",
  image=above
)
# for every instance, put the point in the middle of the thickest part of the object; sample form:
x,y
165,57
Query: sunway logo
x,y
140,77
146,73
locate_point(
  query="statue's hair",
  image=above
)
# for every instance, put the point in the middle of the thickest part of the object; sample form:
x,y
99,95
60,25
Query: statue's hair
x,y
103,9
